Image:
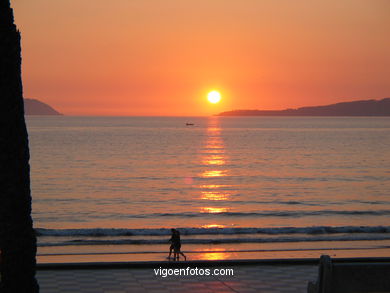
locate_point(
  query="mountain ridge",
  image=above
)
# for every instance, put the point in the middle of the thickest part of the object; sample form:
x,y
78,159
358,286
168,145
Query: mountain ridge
x,y
36,107
370,107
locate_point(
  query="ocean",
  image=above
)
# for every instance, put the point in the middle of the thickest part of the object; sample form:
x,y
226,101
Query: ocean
x,y
110,188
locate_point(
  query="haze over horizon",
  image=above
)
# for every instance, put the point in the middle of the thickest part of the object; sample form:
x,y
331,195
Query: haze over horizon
x,y
162,58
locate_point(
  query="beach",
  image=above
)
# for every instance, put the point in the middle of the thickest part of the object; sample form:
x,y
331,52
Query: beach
x,y
125,253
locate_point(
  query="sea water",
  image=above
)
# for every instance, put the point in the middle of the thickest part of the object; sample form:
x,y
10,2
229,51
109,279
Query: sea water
x,y
227,183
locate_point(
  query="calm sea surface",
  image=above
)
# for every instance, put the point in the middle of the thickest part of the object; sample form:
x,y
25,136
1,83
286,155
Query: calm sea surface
x,y
242,179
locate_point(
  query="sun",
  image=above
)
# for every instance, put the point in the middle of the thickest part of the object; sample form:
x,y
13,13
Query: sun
x,y
214,97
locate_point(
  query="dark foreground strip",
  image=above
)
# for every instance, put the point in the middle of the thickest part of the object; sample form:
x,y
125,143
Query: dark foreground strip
x,y
200,263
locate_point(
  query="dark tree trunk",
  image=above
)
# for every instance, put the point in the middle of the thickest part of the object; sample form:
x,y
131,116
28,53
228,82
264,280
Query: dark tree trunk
x,y
17,238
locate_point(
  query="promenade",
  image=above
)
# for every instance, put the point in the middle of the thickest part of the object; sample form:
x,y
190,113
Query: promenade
x,y
124,278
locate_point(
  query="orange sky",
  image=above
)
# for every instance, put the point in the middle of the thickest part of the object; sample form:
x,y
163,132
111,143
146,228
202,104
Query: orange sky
x,y
161,57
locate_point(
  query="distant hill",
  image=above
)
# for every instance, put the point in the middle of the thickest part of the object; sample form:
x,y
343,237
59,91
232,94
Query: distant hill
x,y
356,108
35,107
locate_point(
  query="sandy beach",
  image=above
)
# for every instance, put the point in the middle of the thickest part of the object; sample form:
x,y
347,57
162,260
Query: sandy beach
x,y
131,253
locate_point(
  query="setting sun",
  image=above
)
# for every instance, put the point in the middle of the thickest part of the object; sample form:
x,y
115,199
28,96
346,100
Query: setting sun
x,y
214,97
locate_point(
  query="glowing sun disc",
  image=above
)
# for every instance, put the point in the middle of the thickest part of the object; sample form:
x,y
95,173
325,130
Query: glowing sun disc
x,y
214,97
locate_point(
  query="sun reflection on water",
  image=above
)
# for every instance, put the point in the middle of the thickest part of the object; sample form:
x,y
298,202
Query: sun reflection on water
x,y
214,173
214,151
213,210
213,186
214,195
210,226
216,130
213,160
214,254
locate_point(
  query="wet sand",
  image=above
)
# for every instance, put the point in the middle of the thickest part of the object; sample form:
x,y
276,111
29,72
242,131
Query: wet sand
x,y
129,253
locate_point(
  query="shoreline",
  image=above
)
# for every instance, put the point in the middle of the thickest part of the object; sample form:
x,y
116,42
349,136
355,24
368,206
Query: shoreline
x,y
203,263
123,253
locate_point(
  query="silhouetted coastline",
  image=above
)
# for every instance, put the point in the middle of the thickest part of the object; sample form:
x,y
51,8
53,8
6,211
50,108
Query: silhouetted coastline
x,y
356,108
35,107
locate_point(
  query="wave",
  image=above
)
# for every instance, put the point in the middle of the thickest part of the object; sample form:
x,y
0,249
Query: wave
x,y
107,232
254,214
375,237
270,214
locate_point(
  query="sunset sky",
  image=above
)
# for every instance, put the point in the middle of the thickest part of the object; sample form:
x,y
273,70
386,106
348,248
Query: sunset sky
x,y
162,57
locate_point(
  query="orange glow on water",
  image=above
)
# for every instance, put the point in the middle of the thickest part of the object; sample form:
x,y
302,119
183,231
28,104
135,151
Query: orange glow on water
x,y
213,226
214,127
213,186
214,195
213,151
214,173
212,210
214,160
214,191
214,254
213,146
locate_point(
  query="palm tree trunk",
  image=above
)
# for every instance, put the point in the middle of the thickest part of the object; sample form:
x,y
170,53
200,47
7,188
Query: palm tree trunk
x,y
17,238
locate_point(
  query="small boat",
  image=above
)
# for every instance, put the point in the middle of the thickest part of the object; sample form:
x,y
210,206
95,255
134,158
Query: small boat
x,y
190,124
